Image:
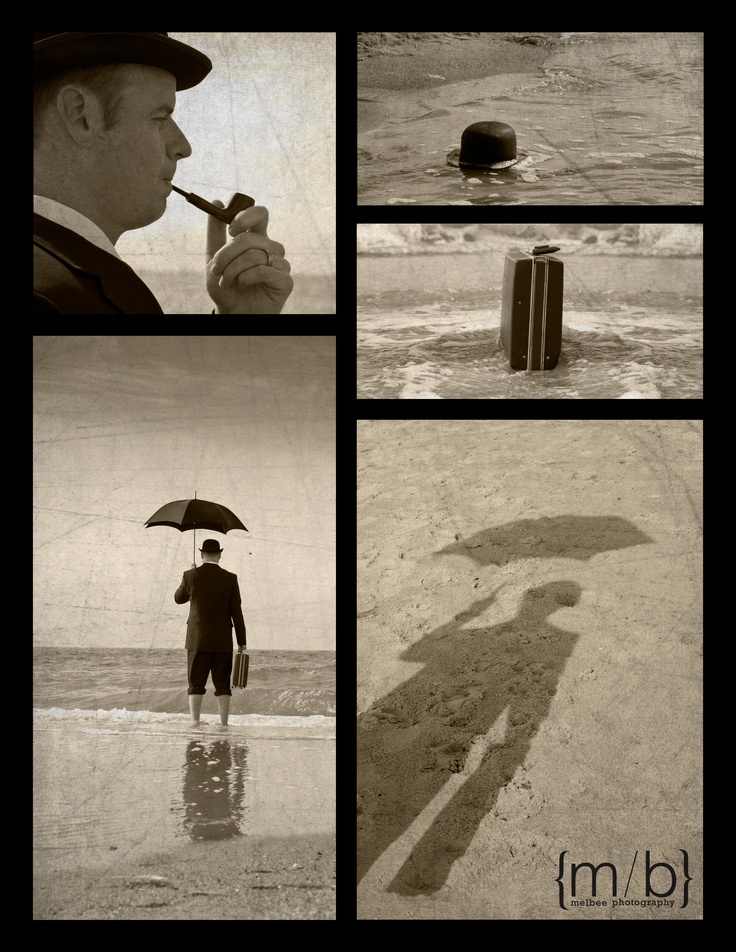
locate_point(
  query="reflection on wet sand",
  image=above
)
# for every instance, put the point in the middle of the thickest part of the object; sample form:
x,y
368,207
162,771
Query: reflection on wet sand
x,y
214,789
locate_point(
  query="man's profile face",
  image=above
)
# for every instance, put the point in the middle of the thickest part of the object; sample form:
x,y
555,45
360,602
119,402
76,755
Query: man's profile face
x,y
138,156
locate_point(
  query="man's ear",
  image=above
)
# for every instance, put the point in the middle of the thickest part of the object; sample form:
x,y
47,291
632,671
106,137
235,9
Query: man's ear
x,y
81,113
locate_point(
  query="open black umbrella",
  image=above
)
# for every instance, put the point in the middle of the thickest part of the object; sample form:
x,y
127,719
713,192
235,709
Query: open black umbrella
x,y
195,514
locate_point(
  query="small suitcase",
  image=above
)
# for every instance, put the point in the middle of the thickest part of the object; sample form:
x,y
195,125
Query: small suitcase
x,y
240,670
531,309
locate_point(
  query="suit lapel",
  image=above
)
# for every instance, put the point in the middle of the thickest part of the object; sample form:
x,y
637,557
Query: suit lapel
x,y
119,282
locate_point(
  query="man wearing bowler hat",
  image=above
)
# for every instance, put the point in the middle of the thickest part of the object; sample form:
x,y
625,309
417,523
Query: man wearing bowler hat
x,y
105,151
214,599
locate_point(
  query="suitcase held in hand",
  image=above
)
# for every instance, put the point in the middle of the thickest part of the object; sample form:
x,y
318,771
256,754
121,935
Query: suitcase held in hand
x,y
531,308
240,670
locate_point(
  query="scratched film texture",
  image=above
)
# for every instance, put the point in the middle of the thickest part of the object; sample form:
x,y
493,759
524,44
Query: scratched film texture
x,y
529,666
263,123
126,424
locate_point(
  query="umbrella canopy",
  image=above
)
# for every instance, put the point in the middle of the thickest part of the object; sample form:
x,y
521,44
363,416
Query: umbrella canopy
x,y
565,537
184,514
195,514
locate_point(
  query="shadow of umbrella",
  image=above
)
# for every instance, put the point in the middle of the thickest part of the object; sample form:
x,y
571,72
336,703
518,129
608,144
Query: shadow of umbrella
x,y
565,537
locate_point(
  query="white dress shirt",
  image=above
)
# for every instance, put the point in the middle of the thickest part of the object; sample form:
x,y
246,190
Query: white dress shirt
x,y
73,220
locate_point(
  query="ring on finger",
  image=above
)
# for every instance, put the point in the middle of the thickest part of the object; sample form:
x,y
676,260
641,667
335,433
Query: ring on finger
x,y
269,258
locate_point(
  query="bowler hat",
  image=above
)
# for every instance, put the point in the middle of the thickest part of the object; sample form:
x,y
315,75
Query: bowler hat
x,y
211,545
53,52
486,145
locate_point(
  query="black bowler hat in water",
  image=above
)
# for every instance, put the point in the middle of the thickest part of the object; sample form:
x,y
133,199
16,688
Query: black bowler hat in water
x,y
485,145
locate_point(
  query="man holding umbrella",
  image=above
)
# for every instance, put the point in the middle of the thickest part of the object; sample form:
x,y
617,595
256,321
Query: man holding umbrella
x,y
214,598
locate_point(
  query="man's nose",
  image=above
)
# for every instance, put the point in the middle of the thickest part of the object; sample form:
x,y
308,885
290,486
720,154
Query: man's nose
x,y
179,146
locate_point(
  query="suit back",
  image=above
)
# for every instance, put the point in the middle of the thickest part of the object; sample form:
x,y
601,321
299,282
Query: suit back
x,y
214,597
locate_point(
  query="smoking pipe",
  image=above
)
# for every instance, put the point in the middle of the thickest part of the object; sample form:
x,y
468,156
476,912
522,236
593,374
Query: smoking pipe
x,y
237,203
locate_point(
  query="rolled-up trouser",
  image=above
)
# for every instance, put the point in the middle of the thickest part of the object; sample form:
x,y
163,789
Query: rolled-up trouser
x,y
201,663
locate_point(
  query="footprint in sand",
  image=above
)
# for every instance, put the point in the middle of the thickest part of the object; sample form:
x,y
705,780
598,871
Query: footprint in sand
x,y
393,714
453,699
446,757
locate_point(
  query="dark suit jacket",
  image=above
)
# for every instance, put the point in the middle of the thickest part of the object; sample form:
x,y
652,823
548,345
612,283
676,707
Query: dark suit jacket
x,y
215,608
73,276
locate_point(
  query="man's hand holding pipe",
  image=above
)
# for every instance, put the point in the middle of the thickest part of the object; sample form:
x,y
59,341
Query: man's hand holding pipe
x,y
248,275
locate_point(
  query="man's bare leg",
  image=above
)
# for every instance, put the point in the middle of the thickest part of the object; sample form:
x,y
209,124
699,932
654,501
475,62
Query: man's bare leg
x,y
224,702
195,706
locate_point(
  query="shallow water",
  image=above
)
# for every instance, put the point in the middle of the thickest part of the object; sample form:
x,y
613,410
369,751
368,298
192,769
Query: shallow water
x,y
287,684
428,328
616,118
102,797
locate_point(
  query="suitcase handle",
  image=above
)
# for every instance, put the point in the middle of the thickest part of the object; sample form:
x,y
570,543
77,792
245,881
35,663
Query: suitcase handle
x,y
545,249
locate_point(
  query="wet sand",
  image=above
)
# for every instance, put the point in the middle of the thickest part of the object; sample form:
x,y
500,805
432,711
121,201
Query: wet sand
x,y
418,64
249,878
158,822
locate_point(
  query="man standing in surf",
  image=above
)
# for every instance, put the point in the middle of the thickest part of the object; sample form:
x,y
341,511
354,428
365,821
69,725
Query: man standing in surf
x,y
214,598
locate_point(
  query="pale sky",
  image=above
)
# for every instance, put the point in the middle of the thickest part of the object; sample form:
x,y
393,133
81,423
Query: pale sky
x,y
123,425
262,123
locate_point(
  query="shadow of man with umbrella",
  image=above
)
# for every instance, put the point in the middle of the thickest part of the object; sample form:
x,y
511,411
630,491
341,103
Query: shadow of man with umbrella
x,y
420,734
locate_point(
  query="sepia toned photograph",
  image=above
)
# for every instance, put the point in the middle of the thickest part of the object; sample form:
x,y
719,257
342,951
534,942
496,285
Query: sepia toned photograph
x,y
183,628
184,173
522,311
530,118
529,617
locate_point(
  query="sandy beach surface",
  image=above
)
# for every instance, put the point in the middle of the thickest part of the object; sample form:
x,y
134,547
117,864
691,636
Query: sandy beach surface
x,y
416,61
529,678
254,878
160,821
